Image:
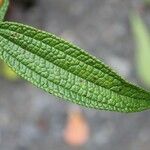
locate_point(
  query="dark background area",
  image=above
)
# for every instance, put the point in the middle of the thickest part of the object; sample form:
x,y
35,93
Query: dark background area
x,y
31,119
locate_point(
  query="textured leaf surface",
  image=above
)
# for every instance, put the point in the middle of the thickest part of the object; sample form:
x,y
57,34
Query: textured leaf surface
x,y
66,71
3,8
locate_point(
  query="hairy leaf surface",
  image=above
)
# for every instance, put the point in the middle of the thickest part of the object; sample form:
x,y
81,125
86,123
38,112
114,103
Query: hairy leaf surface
x,y
67,71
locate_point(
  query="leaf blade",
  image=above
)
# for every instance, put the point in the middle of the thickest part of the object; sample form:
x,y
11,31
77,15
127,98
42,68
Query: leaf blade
x,y
67,71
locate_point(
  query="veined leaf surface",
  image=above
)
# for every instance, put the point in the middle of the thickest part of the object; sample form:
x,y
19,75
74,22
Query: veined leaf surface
x,y
67,71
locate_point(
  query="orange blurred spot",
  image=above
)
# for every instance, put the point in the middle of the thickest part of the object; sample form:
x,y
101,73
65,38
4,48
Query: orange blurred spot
x,y
1,2
77,130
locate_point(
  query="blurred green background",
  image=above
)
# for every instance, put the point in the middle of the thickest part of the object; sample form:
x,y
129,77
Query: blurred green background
x,y
114,31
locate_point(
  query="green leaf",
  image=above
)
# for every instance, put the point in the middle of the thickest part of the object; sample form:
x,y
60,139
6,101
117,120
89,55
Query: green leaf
x,y
142,40
6,71
67,71
3,8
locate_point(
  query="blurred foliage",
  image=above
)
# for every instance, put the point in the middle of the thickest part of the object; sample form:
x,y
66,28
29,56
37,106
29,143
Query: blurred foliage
x,y
142,54
7,72
147,2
